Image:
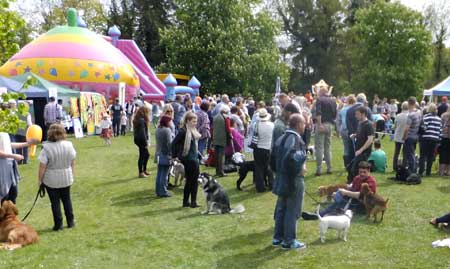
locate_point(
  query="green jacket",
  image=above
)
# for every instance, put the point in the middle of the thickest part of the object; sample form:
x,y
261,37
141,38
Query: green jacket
x,y
219,131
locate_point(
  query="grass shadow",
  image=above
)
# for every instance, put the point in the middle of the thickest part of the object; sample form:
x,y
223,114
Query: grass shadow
x,y
443,189
332,239
118,181
240,244
157,212
135,198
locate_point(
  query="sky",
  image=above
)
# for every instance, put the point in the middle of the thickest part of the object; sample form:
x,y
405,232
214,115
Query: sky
x,y
416,4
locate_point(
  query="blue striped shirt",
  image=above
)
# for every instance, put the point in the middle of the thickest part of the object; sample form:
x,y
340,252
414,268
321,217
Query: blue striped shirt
x,y
433,125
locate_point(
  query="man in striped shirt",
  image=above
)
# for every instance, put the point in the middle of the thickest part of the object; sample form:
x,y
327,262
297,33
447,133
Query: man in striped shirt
x,y
432,125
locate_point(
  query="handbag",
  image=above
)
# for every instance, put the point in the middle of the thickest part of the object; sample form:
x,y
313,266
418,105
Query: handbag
x,y
163,159
237,157
254,141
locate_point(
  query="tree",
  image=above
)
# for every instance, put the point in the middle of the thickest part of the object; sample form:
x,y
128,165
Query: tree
x,y
392,56
9,120
123,14
228,46
12,27
312,26
53,13
438,22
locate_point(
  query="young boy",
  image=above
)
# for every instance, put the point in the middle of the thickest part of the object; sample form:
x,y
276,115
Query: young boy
x,y
378,158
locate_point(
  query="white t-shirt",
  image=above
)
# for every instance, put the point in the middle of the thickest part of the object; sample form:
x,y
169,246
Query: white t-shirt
x,y
105,124
400,126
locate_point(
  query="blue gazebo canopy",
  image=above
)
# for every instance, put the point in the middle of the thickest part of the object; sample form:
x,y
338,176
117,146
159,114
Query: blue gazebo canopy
x,y
15,86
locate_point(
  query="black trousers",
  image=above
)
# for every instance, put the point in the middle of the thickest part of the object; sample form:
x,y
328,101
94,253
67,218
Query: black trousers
x,y
398,148
262,176
12,194
353,172
57,195
22,151
144,155
116,127
427,148
191,186
123,129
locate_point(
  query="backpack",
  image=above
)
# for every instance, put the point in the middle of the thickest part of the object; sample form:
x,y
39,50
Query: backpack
x,y
293,160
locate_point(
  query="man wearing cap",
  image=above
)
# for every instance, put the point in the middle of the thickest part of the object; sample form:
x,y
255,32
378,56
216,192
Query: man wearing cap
x,y
443,106
325,116
116,110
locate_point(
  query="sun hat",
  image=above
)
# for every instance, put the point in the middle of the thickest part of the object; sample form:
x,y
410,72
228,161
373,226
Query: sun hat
x,y
263,114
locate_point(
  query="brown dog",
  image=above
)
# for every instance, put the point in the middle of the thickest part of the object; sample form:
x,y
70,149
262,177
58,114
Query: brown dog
x,y
14,233
373,202
330,189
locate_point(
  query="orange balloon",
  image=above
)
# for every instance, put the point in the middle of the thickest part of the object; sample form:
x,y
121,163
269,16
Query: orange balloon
x,y
33,132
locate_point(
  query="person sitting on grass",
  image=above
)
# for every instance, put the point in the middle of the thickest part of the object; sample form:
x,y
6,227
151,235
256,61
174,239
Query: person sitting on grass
x,y
342,196
378,158
445,220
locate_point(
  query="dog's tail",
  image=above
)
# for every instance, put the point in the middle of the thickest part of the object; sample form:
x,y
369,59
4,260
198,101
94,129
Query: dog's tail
x,y
387,200
318,212
238,209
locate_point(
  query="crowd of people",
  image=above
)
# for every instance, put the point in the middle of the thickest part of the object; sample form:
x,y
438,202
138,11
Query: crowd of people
x,y
210,130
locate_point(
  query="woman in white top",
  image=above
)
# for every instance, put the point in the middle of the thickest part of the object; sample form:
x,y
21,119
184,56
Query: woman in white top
x,y
56,173
262,176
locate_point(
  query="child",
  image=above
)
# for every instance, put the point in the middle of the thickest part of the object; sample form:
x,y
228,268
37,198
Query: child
x,y
378,158
123,123
106,125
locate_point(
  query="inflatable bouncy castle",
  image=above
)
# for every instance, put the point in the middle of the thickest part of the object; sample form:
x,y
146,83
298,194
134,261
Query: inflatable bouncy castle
x,y
78,58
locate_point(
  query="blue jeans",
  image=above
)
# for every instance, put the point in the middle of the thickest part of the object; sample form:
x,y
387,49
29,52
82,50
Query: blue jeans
x,y
340,202
409,154
202,145
161,180
287,211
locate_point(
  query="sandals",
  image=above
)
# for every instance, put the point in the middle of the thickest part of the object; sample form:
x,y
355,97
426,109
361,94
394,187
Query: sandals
x,y
434,223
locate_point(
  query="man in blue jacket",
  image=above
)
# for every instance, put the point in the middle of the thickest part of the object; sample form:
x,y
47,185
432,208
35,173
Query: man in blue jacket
x,y
290,156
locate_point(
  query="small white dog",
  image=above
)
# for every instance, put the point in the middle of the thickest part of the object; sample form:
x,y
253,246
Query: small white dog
x,y
177,171
340,223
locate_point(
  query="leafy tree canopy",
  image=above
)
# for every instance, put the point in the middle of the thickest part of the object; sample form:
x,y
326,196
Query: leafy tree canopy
x,y
393,51
228,46
9,120
11,28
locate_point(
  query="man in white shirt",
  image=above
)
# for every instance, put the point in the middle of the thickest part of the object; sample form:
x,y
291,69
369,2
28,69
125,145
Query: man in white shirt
x,y
401,122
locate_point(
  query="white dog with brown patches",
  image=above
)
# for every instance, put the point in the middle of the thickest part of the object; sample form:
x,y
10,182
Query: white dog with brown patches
x,y
340,223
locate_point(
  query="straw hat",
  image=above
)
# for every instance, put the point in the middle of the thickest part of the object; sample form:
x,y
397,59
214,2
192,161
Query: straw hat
x,y
321,83
263,114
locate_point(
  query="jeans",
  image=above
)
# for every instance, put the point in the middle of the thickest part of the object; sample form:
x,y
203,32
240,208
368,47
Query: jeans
x,y
57,195
143,159
339,204
427,148
322,143
409,157
202,145
287,211
161,180
443,219
398,148
220,159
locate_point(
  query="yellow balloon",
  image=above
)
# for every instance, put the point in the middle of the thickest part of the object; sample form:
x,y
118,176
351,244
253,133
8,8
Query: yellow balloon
x,y
33,132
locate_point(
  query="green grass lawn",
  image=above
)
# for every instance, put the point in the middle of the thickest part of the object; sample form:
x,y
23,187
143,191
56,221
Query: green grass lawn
x,y
122,224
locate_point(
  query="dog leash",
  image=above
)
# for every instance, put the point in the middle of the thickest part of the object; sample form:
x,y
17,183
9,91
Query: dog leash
x,y
40,193
310,196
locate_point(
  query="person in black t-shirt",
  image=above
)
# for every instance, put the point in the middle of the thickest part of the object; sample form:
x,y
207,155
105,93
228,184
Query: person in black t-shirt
x,y
116,110
363,141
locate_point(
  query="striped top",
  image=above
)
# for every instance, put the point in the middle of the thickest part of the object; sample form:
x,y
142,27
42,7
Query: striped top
x,y
433,125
